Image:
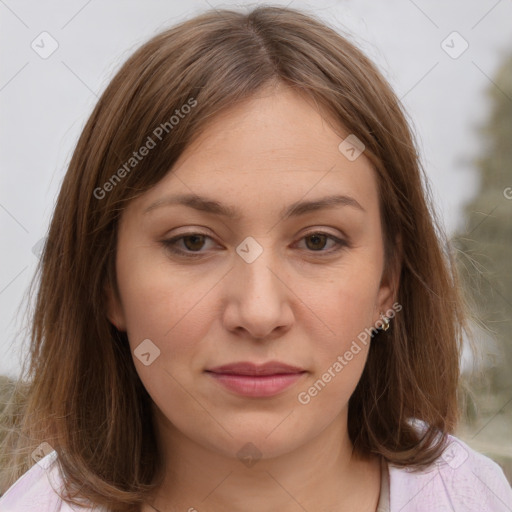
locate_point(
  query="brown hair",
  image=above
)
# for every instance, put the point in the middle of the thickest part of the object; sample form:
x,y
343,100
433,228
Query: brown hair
x,y
84,397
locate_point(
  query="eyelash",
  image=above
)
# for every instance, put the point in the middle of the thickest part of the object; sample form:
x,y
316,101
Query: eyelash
x,y
171,244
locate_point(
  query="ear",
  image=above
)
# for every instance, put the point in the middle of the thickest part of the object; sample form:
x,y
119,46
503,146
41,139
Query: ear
x,y
115,312
390,281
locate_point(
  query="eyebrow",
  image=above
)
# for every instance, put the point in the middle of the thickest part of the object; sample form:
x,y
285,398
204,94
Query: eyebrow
x,y
209,205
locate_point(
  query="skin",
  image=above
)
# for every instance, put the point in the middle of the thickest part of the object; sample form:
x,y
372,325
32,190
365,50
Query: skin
x,y
290,304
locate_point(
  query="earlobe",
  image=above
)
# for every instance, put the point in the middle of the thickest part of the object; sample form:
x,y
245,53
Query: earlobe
x,y
115,313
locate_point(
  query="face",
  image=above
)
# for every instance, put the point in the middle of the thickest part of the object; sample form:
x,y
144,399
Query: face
x,y
200,289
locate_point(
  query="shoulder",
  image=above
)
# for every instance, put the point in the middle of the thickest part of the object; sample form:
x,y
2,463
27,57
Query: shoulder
x,y
460,479
38,490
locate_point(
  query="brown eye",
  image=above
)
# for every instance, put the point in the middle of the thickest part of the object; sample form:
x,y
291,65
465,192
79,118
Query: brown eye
x,y
317,241
193,242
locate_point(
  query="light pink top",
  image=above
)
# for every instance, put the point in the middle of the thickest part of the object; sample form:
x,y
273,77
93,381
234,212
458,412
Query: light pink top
x,y
460,480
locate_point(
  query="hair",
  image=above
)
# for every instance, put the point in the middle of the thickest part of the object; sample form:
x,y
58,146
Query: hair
x,y
83,395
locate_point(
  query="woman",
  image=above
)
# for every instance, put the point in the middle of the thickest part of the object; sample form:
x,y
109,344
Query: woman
x,y
244,303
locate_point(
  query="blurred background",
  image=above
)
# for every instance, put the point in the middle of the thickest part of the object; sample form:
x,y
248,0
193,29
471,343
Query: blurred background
x,y
449,63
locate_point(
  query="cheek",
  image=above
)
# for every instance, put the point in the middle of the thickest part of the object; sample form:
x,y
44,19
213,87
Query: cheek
x,y
168,306
174,313
340,353
344,307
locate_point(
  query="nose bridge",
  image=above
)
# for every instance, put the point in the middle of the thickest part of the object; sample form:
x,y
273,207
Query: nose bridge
x,y
257,299
256,266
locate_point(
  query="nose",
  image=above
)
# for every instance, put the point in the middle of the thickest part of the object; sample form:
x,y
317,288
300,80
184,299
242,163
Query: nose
x,y
258,298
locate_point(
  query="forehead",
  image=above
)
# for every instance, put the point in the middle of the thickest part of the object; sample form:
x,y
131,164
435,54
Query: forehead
x,y
274,148
276,123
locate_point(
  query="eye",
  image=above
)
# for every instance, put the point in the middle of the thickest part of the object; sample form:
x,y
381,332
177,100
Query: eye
x,y
192,242
318,240
189,245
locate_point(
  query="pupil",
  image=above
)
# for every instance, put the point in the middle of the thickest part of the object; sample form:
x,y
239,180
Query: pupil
x,y
317,237
193,237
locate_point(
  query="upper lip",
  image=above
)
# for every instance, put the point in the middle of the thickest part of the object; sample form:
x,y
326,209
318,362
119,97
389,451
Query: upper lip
x,y
249,368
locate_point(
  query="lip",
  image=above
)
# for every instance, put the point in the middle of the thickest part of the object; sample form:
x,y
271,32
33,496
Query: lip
x,y
256,380
249,368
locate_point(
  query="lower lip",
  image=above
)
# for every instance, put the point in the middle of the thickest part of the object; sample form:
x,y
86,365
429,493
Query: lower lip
x,y
257,386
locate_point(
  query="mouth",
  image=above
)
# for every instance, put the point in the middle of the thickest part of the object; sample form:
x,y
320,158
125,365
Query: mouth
x,y
257,381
